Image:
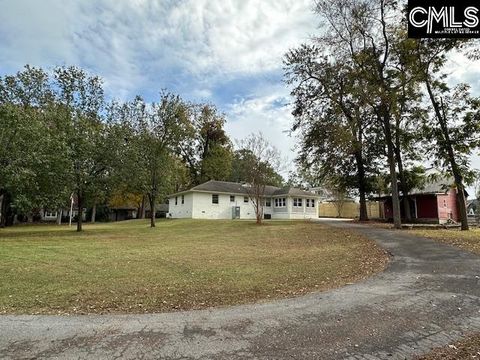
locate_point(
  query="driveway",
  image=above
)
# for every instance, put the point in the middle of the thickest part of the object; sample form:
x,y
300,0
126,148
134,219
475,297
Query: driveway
x,y
428,296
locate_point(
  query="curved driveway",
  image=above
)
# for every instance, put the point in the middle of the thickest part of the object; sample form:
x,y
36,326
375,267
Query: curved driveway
x,y
428,296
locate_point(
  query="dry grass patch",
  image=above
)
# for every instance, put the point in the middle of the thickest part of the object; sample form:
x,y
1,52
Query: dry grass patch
x,y
468,348
181,264
467,240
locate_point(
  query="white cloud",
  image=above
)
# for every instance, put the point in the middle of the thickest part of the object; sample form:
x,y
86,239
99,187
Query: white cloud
x,y
268,113
134,44
194,47
463,70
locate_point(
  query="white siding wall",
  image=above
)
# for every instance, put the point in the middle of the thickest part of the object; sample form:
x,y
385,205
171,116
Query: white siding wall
x,y
295,212
180,210
199,206
204,209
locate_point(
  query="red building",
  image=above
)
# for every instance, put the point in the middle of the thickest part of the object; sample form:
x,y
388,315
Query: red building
x,y
435,203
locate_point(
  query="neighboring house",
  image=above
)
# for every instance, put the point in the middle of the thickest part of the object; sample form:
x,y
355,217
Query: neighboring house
x,y
326,195
52,215
227,200
436,203
121,213
323,194
473,207
161,210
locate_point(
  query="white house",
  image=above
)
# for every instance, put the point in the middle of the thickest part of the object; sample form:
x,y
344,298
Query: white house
x,y
227,200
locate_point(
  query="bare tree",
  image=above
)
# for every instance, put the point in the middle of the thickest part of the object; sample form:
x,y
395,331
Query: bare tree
x,y
262,160
338,192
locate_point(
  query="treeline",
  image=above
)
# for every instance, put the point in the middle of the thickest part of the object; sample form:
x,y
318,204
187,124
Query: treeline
x,y
59,137
372,104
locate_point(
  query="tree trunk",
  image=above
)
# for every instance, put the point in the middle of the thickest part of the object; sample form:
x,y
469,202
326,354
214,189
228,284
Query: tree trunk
x,y
152,210
403,182
461,202
259,209
30,218
59,217
94,213
361,185
80,211
142,210
397,221
2,209
6,211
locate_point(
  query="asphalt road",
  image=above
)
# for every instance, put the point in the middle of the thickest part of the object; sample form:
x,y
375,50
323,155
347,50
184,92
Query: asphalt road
x,y
428,296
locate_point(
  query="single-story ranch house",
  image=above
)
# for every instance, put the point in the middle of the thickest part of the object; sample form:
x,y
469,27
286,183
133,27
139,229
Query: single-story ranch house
x,y
228,200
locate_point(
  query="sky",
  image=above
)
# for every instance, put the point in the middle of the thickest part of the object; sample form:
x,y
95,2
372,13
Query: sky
x,y
226,52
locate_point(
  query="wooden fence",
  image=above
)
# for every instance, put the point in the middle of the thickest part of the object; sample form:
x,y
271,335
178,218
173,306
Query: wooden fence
x,y
349,210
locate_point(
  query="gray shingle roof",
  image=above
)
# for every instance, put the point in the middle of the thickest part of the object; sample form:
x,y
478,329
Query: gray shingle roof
x,y
220,186
437,186
291,191
236,188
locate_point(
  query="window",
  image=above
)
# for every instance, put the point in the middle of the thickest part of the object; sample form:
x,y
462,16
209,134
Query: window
x,y
307,203
232,198
214,198
268,202
444,203
297,202
280,202
176,200
245,199
183,199
312,202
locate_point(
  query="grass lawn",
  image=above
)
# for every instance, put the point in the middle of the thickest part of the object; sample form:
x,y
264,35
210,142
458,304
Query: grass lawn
x,y
467,240
128,267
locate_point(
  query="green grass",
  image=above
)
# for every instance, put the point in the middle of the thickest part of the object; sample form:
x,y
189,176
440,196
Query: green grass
x,y
128,267
467,240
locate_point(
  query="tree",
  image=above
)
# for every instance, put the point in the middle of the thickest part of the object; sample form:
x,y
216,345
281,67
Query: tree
x,y
241,163
338,190
261,159
454,129
332,117
79,102
207,150
362,32
32,164
157,130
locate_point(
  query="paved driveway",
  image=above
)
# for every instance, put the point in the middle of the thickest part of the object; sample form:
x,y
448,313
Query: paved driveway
x,y
428,296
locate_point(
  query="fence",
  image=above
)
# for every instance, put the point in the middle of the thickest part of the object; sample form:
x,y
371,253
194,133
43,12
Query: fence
x,y
349,210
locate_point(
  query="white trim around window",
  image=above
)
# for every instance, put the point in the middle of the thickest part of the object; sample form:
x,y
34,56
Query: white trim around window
x,y
297,202
280,202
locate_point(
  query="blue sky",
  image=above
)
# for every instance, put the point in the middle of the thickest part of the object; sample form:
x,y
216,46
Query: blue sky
x,y
228,52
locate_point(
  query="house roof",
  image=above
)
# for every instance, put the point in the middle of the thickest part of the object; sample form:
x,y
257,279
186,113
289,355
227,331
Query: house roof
x,y
236,188
433,186
437,186
292,191
473,203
